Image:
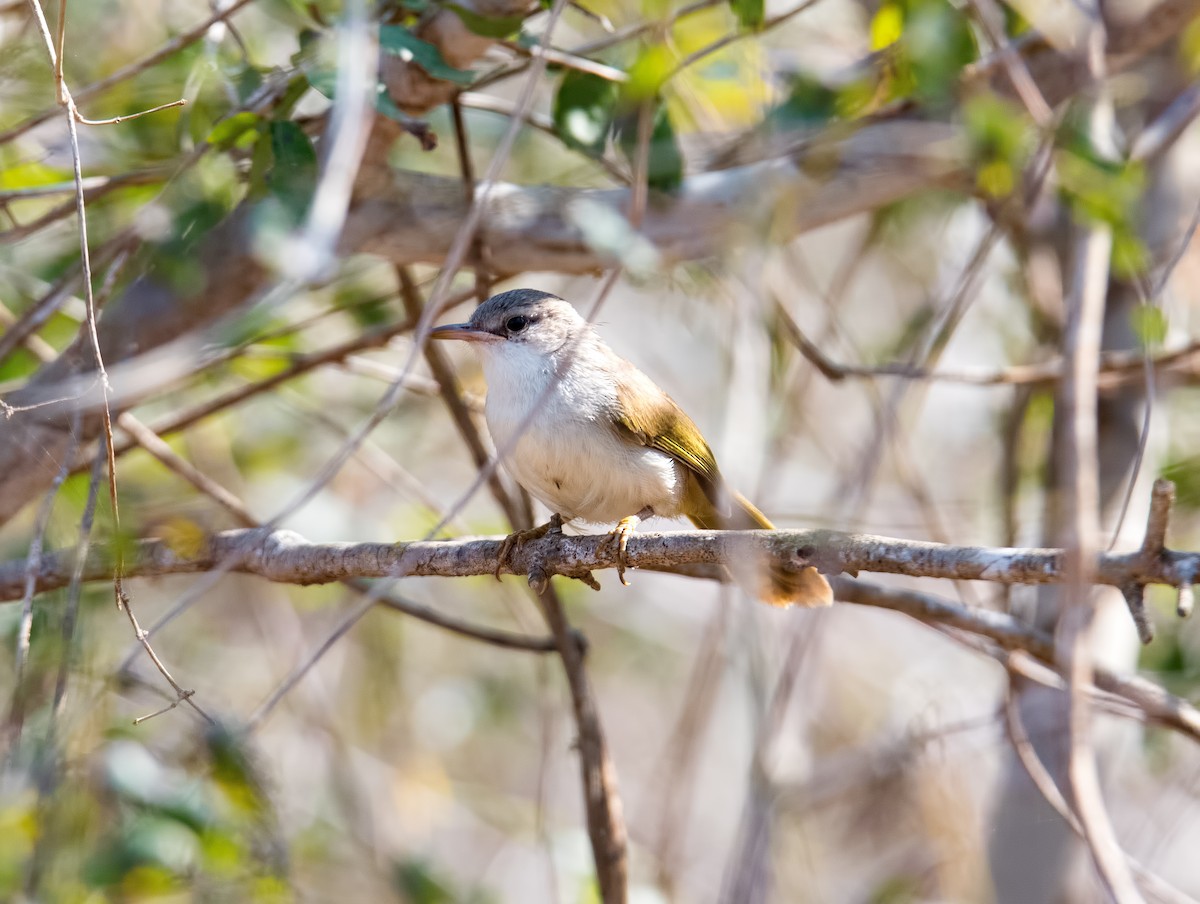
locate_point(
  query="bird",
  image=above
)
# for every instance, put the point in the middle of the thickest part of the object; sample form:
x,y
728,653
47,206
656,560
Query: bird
x,y
596,440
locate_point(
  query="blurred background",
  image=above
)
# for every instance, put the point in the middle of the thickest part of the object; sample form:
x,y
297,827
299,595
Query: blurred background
x,y
868,191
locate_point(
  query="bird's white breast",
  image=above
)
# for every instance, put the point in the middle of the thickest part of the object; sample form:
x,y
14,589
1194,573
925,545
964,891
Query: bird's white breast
x,y
567,453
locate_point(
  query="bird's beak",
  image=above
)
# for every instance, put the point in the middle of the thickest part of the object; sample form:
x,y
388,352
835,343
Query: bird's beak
x,y
463,331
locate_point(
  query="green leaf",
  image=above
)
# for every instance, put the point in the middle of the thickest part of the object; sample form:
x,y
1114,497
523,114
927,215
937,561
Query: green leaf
x,y
1001,141
417,882
654,64
583,110
664,166
1184,472
488,26
30,175
323,81
247,82
226,134
1100,189
399,41
1150,325
1129,254
938,45
810,102
19,365
930,42
293,175
750,13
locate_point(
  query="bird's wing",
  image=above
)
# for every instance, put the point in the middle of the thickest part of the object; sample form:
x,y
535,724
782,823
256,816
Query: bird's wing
x,y
651,417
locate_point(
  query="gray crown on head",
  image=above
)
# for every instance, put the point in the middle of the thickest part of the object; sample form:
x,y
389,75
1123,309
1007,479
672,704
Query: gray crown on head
x,y
515,298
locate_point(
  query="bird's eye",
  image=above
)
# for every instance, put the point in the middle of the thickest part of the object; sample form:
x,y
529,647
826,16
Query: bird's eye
x,y
516,324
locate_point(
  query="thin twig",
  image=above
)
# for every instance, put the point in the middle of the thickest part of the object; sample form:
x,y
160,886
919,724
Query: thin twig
x,y
677,764
476,101
1080,495
1162,497
629,32
1149,371
51,763
734,36
75,587
33,317
606,825
602,801
160,450
301,365
1147,700
120,596
986,14
859,486
1160,135
569,60
344,624
443,374
25,625
479,252
1154,885
182,102
127,72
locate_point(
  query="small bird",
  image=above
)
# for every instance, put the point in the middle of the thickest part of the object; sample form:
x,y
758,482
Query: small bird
x,y
595,439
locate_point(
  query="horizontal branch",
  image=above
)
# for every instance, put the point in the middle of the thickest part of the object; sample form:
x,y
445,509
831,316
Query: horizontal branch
x,y
412,217
286,557
1011,635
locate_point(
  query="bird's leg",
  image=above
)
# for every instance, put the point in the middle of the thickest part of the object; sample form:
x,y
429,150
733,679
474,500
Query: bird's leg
x,y
621,534
517,537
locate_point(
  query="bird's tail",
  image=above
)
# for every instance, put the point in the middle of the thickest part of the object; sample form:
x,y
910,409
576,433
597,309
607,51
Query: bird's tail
x,y
781,587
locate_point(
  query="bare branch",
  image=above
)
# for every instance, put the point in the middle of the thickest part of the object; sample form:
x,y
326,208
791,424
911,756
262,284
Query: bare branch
x,y
287,557
1154,885
112,121
1076,407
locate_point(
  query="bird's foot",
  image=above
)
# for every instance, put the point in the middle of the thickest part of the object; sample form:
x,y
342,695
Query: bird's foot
x,y
620,536
517,537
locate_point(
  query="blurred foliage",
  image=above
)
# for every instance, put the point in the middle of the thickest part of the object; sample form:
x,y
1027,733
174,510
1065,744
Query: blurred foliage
x,y
1001,143
399,41
1150,326
928,42
664,159
1100,189
1184,471
584,105
134,827
412,765
750,13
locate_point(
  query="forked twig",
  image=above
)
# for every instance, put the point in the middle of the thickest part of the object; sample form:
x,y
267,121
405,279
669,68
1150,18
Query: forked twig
x,y
119,594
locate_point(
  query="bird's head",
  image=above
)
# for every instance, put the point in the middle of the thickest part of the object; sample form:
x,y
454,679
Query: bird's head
x,y
528,319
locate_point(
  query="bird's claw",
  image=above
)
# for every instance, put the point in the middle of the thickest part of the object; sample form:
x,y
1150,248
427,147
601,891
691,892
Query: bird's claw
x,y
517,537
620,535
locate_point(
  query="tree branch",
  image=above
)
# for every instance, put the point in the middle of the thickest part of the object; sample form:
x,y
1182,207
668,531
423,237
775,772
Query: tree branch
x,y
531,228
285,556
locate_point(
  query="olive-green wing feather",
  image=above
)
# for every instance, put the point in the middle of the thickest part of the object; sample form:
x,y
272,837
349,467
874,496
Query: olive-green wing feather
x,y
650,416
